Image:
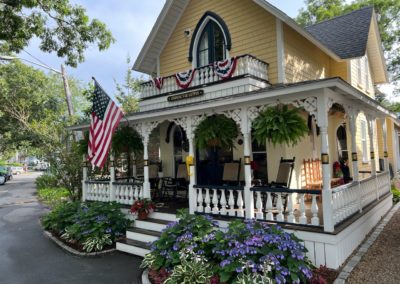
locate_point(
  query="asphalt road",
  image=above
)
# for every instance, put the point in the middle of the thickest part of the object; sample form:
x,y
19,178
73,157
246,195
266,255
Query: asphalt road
x,y
27,256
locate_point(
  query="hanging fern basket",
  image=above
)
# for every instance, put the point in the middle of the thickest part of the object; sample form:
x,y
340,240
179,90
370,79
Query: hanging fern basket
x,y
279,125
216,131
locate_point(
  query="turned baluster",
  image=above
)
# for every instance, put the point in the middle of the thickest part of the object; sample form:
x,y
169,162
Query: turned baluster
x,y
291,218
136,193
131,193
223,203
259,206
240,212
207,201
314,211
231,203
279,207
303,217
126,195
268,206
200,207
215,209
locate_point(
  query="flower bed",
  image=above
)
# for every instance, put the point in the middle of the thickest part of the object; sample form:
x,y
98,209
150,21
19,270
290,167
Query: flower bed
x,y
87,227
195,250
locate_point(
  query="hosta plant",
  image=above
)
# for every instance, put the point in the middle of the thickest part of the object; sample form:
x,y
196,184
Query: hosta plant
x,y
97,243
279,125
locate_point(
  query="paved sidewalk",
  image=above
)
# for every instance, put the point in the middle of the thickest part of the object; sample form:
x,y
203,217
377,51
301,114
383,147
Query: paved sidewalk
x,y
27,256
378,259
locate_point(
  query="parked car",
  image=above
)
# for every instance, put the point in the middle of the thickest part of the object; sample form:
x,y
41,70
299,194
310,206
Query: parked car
x,y
17,170
3,175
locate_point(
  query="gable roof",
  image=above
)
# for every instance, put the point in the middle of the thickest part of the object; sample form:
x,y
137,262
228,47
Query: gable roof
x,y
345,35
171,14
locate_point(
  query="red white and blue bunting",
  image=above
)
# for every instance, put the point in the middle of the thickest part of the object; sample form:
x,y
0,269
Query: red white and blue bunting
x,y
184,79
225,69
158,82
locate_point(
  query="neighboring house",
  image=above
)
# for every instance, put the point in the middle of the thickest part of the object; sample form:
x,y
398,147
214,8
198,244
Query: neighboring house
x,y
329,70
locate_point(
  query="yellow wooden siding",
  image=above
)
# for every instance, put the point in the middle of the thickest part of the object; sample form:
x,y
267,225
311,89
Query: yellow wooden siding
x,y
252,29
339,69
390,147
303,60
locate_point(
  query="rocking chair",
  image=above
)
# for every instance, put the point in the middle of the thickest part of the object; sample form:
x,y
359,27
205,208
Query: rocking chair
x,y
283,179
179,183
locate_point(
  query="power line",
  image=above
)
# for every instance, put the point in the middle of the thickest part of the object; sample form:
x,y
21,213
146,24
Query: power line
x,y
37,59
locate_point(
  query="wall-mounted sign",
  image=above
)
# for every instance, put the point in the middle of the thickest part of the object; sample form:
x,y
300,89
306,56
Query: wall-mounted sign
x,y
187,95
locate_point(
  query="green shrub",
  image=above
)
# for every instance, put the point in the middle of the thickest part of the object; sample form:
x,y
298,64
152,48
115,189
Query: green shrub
x,y
53,196
396,195
248,252
97,243
87,223
46,181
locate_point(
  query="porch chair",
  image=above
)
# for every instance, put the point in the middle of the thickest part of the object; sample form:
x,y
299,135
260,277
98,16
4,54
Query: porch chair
x,y
179,183
231,173
154,180
312,175
283,179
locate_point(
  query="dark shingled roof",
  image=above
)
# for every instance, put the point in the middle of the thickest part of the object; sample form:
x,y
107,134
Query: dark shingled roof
x,y
345,35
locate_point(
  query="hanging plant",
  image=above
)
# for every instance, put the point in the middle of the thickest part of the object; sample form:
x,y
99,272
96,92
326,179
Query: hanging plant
x,y
216,131
279,125
126,140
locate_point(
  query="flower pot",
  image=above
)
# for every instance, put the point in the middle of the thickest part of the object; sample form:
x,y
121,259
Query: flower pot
x,y
143,215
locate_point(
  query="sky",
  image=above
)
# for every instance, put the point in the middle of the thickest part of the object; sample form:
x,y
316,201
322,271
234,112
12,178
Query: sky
x,y
130,23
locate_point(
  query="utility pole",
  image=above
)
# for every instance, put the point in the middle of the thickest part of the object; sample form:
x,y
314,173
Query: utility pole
x,y
68,96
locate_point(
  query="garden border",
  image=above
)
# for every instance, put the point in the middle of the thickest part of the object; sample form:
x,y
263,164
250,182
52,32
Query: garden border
x,y
73,251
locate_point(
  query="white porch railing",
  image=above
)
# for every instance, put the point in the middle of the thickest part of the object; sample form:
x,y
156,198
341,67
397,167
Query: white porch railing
x,y
270,205
120,192
346,201
247,65
354,197
220,200
127,193
98,191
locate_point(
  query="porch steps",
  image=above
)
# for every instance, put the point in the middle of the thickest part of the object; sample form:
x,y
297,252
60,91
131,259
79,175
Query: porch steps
x,y
143,232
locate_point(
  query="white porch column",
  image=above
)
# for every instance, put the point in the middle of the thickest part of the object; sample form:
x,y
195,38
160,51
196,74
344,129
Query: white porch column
x,y
134,169
112,178
385,148
248,195
371,123
192,177
323,108
353,114
84,178
146,183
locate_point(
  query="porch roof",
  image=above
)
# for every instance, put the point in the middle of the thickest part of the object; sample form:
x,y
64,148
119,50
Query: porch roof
x,y
271,93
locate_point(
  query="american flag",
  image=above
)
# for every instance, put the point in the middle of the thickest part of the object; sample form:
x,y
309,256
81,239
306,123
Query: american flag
x,y
105,118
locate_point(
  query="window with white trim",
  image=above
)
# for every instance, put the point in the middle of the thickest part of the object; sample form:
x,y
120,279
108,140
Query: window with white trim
x,y
364,141
366,70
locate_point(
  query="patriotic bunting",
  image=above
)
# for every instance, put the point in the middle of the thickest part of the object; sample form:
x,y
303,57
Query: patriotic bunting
x,y
184,79
225,69
158,82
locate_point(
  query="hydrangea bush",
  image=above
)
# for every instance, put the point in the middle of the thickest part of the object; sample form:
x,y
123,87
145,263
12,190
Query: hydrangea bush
x,y
91,225
246,252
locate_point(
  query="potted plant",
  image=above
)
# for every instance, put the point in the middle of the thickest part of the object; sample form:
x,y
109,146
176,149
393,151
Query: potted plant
x,y
279,125
142,208
216,131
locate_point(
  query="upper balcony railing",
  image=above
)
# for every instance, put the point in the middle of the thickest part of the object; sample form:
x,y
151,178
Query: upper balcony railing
x,y
245,66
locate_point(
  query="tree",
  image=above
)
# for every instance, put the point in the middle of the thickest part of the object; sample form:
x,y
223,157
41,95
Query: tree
x,y
127,92
388,12
33,112
62,28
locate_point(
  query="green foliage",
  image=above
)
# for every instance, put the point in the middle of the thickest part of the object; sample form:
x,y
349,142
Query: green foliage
x,y
33,112
53,196
388,12
61,27
46,181
97,243
193,269
126,140
87,222
396,195
248,252
279,125
216,131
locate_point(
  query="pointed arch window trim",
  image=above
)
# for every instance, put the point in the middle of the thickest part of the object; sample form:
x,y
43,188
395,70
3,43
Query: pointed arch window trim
x,y
208,16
